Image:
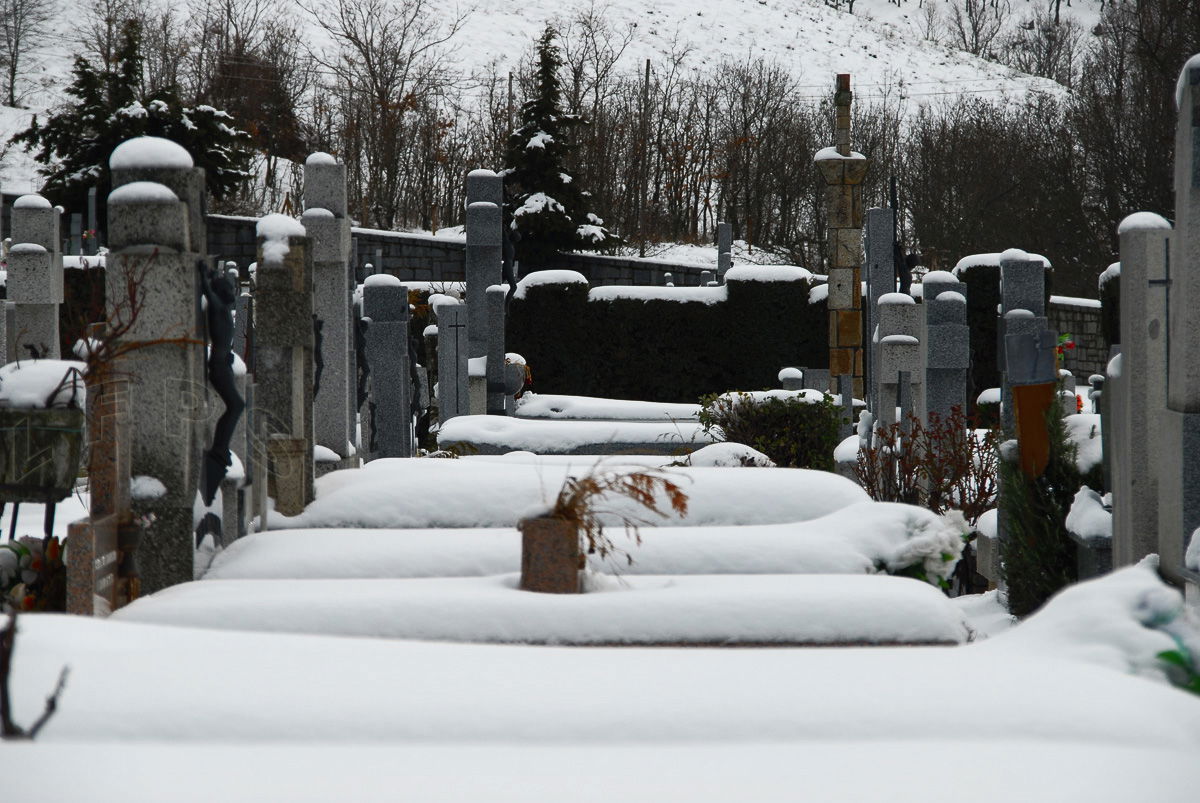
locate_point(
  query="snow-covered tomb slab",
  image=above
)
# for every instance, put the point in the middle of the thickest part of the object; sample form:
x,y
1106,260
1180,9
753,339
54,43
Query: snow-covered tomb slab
x,y
644,610
491,434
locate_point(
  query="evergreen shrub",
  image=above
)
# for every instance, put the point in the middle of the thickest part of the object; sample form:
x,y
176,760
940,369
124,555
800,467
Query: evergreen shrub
x,y
794,431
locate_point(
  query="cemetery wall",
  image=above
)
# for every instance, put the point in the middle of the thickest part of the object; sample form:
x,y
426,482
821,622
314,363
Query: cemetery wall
x,y
667,350
1081,318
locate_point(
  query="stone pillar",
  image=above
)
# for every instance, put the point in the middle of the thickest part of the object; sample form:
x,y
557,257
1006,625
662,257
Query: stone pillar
x,y
452,361
1179,478
92,243
156,251
495,349
724,250
328,230
484,255
284,340
35,276
843,171
900,324
385,304
880,278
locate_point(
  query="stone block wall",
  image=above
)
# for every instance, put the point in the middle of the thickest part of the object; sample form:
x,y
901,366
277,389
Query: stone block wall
x,y
1080,317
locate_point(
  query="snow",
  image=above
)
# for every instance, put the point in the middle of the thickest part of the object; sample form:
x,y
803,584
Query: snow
x,y
382,280
1087,518
1113,369
589,231
323,454
648,609
1190,66
703,295
818,294
938,277
984,613
275,230
539,140
1013,314
726,454
544,405
1113,271
1014,255
563,436
477,366
548,277
1083,429
407,493
790,373
767,273
320,158
988,524
38,384
27,248
144,486
314,212
826,154
1143,221
537,203
895,298
951,295
146,152
989,396
899,340
990,260
1070,301
1192,558
142,192
846,452
32,201
860,538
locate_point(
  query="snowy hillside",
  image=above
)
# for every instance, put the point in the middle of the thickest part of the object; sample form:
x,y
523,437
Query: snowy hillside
x,y
884,46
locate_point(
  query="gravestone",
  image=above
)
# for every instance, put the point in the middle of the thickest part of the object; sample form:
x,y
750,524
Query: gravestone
x,y
35,277
880,278
92,241
76,241
484,267
496,397
1022,288
1179,436
452,361
284,358
328,227
724,250
900,353
947,345
156,237
385,304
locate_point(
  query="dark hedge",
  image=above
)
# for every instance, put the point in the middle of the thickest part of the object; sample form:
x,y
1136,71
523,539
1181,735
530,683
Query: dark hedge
x,y
657,350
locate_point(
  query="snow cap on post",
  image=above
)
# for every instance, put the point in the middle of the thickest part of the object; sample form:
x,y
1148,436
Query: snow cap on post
x,y
150,152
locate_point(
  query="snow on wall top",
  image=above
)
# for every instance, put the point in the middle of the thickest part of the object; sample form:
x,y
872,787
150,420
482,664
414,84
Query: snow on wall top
x,y
150,152
990,260
704,295
1113,271
32,201
320,158
275,231
142,192
1140,221
767,273
548,277
1071,301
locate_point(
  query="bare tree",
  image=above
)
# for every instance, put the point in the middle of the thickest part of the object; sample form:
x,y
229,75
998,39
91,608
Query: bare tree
x,y
975,24
24,25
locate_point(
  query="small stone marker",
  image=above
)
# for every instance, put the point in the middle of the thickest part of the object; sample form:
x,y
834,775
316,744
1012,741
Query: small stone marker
x,y
35,276
724,250
484,266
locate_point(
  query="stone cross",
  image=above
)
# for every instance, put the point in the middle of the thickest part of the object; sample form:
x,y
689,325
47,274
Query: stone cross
x,y
35,277
284,344
1179,438
385,304
156,237
452,361
724,250
843,172
325,219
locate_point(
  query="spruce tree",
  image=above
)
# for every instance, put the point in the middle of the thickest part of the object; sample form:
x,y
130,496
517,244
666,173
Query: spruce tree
x,y
108,107
546,205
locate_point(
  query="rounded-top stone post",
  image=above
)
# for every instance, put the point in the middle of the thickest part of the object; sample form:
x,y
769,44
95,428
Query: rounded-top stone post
x,y
161,161
146,213
325,184
484,186
34,220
